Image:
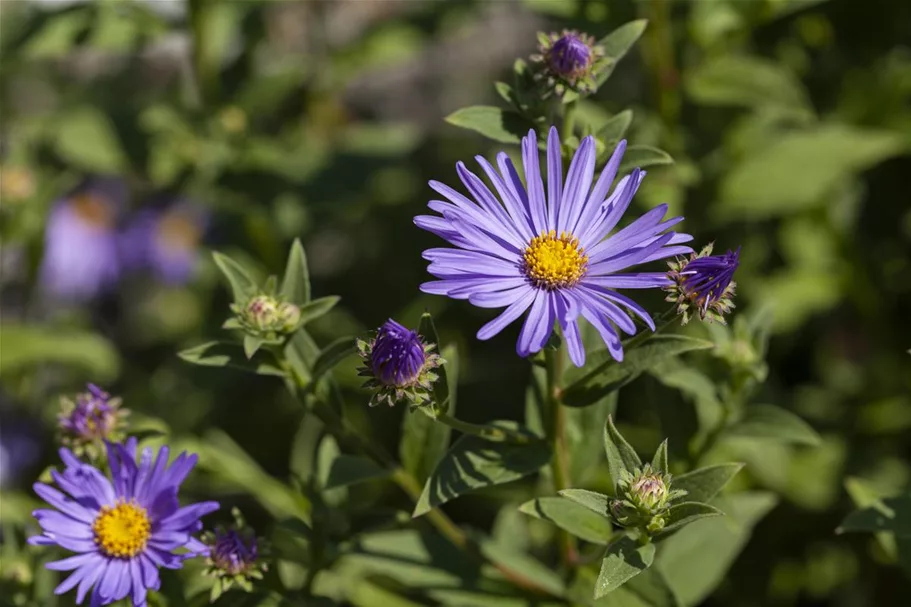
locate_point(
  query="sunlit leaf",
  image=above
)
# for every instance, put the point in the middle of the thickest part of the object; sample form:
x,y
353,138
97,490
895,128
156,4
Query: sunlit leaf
x,y
705,483
624,560
570,516
492,122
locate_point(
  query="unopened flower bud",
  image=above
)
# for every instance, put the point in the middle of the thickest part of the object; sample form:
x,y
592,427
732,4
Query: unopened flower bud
x,y
567,60
87,421
643,499
267,317
704,284
289,316
234,556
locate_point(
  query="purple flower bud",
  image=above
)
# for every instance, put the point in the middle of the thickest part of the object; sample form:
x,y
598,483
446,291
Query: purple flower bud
x,y
232,552
398,355
705,279
569,55
91,418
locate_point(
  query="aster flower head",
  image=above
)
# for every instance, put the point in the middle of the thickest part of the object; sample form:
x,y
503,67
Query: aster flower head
x,y
399,364
643,499
555,254
704,283
568,60
123,528
80,242
90,419
166,241
235,556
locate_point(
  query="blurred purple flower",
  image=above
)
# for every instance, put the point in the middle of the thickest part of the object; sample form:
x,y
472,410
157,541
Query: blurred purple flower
x,y
20,447
80,244
165,241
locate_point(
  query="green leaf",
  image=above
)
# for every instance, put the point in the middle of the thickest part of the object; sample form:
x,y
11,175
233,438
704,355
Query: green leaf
x,y
332,355
474,463
772,423
624,560
596,502
251,345
890,514
242,286
747,81
616,44
296,282
570,516
696,558
87,139
643,156
442,392
223,354
614,129
349,469
312,310
492,122
659,462
506,92
603,374
799,169
685,513
425,440
29,345
620,455
586,448
705,483
525,566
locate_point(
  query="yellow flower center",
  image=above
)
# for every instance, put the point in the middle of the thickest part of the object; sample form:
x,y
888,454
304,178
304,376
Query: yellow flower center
x,y
178,232
93,210
553,262
123,530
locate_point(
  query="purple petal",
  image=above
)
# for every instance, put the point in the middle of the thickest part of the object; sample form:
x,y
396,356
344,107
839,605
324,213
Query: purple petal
x,y
513,205
633,280
533,181
588,211
539,324
506,317
608,333
578,182
498,299
554,179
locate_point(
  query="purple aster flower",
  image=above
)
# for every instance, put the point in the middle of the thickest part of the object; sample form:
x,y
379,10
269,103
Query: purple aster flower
x,y
551,254
704,281
90,420
165,241
122,529
80,245
399,364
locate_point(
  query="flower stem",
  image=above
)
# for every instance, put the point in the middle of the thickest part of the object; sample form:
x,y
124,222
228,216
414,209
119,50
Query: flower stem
x,y
556,434
569,119
491,433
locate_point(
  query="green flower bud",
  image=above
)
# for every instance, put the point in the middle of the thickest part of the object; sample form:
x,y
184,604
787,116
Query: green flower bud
x,y
289,317
266,317
643,499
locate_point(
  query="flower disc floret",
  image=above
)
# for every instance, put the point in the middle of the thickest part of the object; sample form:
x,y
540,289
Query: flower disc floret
x,y
122,530
549,247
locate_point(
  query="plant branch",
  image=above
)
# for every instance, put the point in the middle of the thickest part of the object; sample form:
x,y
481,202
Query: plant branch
x,y
556,434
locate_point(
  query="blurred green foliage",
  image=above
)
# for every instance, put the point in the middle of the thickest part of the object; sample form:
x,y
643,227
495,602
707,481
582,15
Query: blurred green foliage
x,y
789,123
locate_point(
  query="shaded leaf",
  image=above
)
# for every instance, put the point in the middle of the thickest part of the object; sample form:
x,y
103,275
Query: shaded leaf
x,y
474,463
492,122
892,514
603,375
624,560
685,513
318,307
617,43
331,355
704,484
296,282
28,345
570,516
596,502
747,81
620,455
527,567
612,131
769,422
242,286
643,156
442,391
223,354
349,469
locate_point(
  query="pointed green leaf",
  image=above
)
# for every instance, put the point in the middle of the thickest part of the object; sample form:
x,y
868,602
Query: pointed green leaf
x,y
506,92
475,463
242,286
624,560
703,484
251,345
594,501
222,354
296,282
86,137
747,81
318,307
643,156
492,122
570,516
349,469
425,440
659,462
890,514
332,355
620,455
614,129
772,423
603,374
685,513
30,345
617,43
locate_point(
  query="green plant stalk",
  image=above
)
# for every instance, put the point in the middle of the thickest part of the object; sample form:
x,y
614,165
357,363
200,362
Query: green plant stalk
x,y
556,434
569,119
490,433
349,437
205,62
658,54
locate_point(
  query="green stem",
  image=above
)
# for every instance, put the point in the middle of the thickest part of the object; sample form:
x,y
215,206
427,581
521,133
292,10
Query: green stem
x,y
490,433
658,52
556,434
569,120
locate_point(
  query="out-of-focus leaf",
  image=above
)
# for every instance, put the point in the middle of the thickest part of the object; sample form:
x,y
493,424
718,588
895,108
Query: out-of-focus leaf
x,y
87,139
892,514
223,354
332,355
349,469
529,568
425,440
863,496
492,122
685,513
643,156
705,483
317,308
604,375
717,542
617,43
614,129
28,345
296,282
747,81
586,448
474,463
596,502
251,345
57,36
768,422
242,286
797,171
574,518
621,457
624,560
